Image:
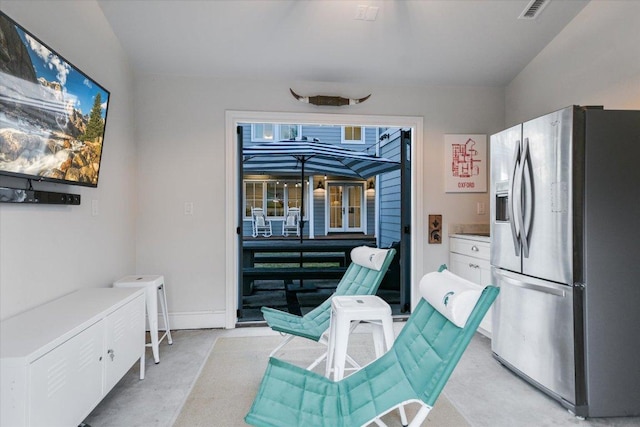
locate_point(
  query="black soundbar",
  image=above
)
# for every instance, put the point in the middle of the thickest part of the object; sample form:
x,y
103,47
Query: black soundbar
x,y
15,195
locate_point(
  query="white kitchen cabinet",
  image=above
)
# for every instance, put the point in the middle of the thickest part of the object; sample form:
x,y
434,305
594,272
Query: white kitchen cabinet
x,y
469,259
60,359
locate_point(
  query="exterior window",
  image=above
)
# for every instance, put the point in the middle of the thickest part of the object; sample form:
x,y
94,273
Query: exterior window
x,y
275,198
262,132
272,196
289,131
267,132
352,135
293,196
253,196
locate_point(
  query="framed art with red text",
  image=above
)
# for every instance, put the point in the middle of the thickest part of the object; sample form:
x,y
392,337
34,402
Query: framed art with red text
x,y
466,163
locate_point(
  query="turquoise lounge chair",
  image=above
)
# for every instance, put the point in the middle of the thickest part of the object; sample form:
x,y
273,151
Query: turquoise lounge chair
x,y
415,369
363,277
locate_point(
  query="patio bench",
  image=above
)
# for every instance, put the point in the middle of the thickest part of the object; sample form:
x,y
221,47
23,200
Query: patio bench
x,y
292,258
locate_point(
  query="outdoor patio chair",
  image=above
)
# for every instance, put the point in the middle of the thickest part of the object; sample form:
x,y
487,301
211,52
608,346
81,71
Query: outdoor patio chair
x,y
261,225
363,276
415,369
290,222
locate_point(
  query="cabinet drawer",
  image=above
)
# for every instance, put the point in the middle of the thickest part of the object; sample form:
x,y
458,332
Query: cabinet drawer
x,y
470,268
471,248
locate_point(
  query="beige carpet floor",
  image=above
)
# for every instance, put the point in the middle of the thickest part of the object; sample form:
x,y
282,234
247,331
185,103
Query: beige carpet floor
x,y
229,380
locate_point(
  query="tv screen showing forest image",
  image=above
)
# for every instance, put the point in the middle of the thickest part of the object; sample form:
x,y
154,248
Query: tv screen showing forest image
x,y
52,116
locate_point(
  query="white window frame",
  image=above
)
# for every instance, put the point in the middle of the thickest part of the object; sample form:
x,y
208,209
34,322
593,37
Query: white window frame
x,y
344,140
277,132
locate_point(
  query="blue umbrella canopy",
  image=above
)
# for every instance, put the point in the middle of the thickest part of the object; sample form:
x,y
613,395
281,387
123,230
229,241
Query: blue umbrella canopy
x,y
312,157
317,157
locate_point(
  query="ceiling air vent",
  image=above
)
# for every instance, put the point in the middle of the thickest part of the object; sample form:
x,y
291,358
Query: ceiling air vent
x,y
533,9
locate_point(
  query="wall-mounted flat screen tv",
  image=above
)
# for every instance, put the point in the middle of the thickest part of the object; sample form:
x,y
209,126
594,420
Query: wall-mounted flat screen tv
x,y
52,115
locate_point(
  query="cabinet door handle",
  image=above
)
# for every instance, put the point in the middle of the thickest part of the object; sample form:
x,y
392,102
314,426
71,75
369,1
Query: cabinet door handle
x,y
474,265
111,354
475,248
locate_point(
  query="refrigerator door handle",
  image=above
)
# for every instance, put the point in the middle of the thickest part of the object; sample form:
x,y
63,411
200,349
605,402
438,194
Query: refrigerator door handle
x,y
531,286
518,194
527,199
512,199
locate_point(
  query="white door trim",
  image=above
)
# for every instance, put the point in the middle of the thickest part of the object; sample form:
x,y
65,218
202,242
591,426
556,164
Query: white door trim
x,y
233,118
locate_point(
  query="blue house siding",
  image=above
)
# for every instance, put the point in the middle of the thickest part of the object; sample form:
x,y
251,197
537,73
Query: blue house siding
x,y
371,212
319,213
389,194
328,134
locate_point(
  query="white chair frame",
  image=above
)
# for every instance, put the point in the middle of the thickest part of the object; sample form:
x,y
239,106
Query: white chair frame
x,y
260,224
291,222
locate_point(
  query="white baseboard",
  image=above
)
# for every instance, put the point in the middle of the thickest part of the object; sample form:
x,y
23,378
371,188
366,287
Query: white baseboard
x,y
195,320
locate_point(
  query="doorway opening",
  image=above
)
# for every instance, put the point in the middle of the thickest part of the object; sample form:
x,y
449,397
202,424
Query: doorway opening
x,y
334,206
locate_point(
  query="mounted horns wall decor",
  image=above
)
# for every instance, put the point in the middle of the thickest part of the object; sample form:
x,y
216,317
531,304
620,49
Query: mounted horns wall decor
x,y
334,101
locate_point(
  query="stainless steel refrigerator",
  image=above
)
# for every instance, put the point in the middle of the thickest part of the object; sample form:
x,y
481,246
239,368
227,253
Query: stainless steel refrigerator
x,y
565,252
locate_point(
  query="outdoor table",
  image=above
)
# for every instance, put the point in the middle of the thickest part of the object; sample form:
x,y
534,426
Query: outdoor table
x,y
294,246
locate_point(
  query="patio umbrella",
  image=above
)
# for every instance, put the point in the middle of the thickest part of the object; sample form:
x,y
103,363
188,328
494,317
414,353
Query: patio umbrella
x,y
312,157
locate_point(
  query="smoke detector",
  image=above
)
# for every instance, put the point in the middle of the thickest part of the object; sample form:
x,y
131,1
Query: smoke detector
x,y
533,9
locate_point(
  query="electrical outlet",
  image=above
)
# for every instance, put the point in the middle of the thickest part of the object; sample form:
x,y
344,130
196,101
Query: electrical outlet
x,y
188,208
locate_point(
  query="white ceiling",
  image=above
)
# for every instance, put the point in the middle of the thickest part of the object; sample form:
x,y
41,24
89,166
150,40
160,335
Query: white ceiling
x,y
427,42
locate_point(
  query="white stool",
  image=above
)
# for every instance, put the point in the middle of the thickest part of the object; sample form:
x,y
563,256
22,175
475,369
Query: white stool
x,y
154,291
358,308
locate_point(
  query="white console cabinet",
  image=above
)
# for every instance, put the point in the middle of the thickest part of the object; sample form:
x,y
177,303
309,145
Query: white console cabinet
x,y
60,359
469,259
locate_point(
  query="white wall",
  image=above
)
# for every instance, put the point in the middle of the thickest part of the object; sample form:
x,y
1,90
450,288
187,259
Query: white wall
x,y
181,158
47,251
595,60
